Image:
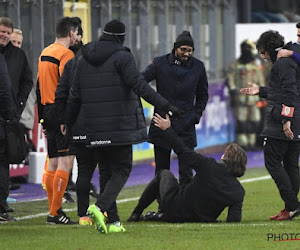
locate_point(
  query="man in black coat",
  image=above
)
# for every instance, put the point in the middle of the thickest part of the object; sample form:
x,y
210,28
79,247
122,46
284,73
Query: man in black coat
x,y
212,189
108,86
5,115
282,126
18,68
182,80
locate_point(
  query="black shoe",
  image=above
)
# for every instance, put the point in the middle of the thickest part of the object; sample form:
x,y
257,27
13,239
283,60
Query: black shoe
x,y
71,186
295,213
50,219
160,216
134,217
150,216
60,220
67,198
93,191
5,217
60,211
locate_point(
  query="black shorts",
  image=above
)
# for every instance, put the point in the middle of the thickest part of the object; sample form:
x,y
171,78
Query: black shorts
x,y
57,143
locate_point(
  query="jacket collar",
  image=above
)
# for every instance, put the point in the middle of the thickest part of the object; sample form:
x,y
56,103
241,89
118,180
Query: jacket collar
x,y
172,60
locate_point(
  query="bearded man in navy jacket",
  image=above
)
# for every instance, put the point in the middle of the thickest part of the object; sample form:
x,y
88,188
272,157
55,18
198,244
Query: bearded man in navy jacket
x,y
182,80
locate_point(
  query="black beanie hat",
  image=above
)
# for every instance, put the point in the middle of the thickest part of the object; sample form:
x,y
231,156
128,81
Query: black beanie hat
x,y
114,27
184,38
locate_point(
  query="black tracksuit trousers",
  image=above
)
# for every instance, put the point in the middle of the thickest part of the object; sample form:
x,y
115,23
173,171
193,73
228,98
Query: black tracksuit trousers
x,y
165,186
282,162
115,164
86,166
162,161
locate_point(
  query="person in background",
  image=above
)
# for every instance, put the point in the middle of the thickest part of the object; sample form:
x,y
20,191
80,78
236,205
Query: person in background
x,y
5,115
213,188
28,114
287,52
247,113
282,125
182,80
50,68
19,73
16,38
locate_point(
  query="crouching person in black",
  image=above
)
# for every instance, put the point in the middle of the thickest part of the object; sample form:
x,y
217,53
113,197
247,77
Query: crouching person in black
x,y
213,188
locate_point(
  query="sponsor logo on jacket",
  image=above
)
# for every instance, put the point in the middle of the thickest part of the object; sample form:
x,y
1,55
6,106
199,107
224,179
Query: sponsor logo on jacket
x,y
79,137
100,142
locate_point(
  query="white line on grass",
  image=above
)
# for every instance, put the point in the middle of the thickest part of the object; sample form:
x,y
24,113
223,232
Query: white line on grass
x,y
27,217
266,177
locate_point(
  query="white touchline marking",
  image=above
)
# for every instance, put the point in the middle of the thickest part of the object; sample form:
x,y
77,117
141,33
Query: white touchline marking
x,y
27,217
266,177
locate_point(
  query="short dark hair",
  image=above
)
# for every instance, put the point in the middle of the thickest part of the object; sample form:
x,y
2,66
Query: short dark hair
x,y
269,41
65,25
298,25
235,159
7,22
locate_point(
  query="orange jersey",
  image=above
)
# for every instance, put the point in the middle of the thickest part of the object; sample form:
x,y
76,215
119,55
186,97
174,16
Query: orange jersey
x,y
51,65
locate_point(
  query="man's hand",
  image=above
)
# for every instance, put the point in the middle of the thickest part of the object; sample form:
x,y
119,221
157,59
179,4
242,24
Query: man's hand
x,y
284,53
252,90
63,129
174,111
160,122
287,130
44,131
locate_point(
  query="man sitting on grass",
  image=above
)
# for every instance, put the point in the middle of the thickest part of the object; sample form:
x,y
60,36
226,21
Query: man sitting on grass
x,y
213,188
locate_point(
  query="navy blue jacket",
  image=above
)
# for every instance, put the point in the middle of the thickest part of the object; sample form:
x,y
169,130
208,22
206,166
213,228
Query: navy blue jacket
x,y
184,86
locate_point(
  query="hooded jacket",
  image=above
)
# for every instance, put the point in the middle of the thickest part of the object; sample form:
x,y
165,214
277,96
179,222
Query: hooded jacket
x,y
284,89
107,85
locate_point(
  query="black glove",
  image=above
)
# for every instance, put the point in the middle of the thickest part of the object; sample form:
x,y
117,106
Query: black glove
x,y
174,111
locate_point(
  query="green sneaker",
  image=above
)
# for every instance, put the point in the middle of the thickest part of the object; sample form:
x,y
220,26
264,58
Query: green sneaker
x,y
98,217
116,227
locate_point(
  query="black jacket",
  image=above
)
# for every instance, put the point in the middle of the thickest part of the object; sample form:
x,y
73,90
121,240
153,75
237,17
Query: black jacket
x,y
61,97
185,86
108,85
20,75
212,189
5,96
284,89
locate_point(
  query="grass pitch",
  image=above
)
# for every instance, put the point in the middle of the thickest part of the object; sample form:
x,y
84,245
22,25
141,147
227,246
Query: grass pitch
x,y
255,231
